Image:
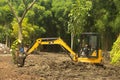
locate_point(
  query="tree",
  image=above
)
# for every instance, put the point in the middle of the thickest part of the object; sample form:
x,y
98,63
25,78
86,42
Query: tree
x,y
115,52
5,20
17,44
60,10
102,19
27,7
28,31
116,20
78,15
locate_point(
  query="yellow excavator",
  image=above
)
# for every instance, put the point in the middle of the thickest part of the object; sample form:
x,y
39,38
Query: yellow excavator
x,y
89,48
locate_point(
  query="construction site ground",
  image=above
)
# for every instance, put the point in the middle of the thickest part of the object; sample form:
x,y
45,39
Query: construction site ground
x,y
55,66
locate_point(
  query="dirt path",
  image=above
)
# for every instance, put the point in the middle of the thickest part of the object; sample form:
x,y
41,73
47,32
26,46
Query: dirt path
x,y
55,66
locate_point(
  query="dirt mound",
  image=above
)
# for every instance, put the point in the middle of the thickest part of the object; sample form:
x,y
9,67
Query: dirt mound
x,y
4,49
54,66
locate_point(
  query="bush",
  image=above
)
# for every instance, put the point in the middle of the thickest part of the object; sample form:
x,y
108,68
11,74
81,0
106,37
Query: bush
x,y
115,52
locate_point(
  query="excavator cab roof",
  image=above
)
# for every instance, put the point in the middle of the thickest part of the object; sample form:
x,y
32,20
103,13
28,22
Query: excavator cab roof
x,y
89,33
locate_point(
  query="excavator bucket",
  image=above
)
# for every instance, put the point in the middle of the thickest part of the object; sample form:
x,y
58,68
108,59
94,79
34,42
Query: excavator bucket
x,y
21,60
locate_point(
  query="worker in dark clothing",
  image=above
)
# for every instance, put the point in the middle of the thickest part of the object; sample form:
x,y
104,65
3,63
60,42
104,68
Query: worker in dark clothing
x,y
85,51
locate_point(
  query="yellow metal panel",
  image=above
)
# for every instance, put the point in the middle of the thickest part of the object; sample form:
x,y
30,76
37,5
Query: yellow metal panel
x,y
92,60
36,44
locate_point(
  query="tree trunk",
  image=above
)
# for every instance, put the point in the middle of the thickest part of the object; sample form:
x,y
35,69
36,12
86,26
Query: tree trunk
x,y
20,36
72,40
6,41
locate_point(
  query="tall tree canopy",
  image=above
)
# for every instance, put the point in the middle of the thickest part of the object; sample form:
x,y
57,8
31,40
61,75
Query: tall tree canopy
x,y
27,6
54,18
78,15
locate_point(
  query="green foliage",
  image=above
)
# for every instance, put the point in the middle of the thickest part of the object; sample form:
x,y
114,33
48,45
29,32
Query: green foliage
x,y
28,30
35,15
103,21
117,3
4,31
6,18
116,24
78,15
116,21
6,15
102,18
115,52
2,34
53,18
60,10
20,10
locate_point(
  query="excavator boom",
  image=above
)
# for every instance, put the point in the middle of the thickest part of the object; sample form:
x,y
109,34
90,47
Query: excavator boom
x,y
52,41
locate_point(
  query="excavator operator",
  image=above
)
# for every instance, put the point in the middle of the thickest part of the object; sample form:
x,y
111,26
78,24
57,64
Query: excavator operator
x,y
85,50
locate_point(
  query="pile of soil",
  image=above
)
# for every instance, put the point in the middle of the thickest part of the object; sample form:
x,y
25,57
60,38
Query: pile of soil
x,y
4,49
55,66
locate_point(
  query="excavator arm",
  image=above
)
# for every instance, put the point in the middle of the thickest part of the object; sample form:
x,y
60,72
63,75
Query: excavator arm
x,y
48,41
52,41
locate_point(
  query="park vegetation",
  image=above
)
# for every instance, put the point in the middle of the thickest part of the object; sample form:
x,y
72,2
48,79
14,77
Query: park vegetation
x,y
31,19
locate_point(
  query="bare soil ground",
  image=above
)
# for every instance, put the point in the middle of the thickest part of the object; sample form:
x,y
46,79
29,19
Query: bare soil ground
x,y
55,66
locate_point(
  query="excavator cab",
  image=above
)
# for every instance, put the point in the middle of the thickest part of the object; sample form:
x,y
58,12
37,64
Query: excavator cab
x,y
89,43
90,48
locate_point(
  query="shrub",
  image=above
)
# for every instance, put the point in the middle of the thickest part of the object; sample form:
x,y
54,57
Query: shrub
x,y
115,52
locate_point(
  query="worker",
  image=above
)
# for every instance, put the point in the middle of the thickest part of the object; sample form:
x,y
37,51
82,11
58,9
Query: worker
x,y
15,50
85,51
21,49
